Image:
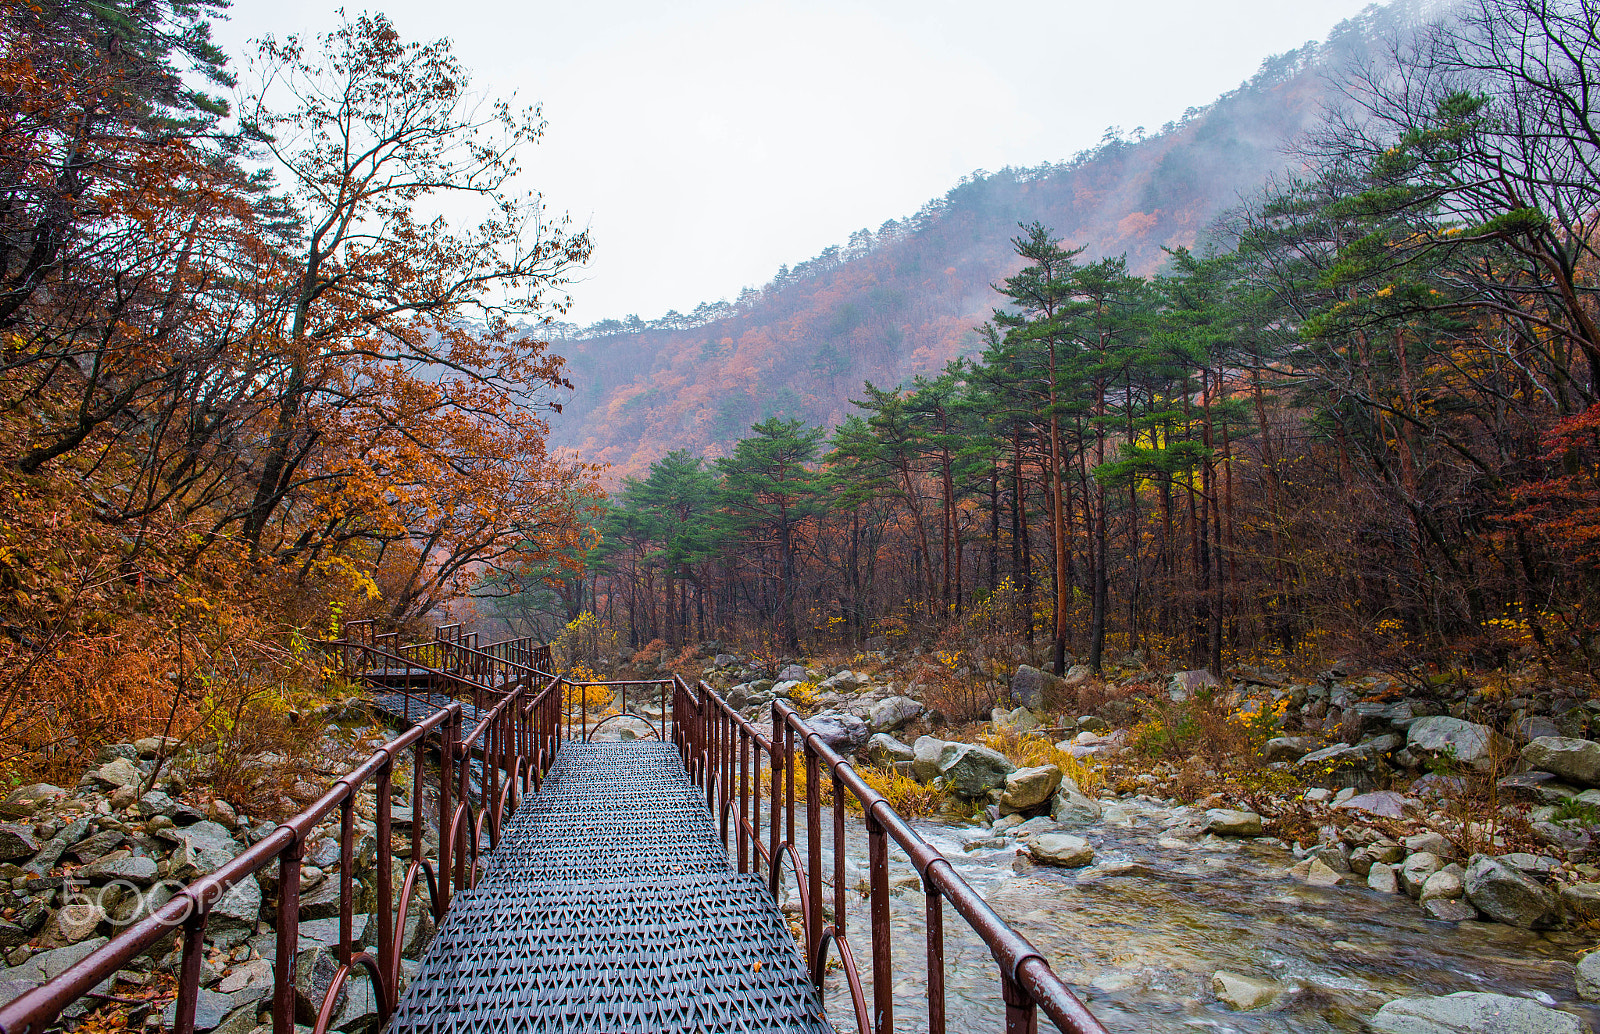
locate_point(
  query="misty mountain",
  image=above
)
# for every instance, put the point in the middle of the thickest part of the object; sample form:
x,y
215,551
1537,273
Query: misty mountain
x,y
905,299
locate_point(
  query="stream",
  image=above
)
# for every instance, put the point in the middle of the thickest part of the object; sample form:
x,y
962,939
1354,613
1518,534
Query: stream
x,y
1138,934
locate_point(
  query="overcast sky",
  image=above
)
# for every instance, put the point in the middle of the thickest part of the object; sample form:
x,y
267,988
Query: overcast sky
x,y
706,142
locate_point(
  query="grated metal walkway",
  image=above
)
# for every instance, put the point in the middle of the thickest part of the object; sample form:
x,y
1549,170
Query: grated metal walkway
x,y
611,906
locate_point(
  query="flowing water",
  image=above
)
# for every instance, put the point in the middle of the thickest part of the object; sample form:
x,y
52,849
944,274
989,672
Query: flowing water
x,y
1138,935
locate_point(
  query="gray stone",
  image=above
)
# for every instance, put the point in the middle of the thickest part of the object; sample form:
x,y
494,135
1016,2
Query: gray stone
x,y
1242,993
1071,808
792,673
1449,910
73,923
1507,895
1577,761
156,803
25,800
1341,766
1432,843
16,842
1228,822
1385,803
1318,873
1580,900
883,749
1062,849
1288,748
1473,1012
1416,869
1446,883
971,770
120,772
1030,687
240,905
890,714
1027,788
1589,977
1185,684
925,764
1383,878
134,870
1466,743
314,971
840,730
843,680
210,1008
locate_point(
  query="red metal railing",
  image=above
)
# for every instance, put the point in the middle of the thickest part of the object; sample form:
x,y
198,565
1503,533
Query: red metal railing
x,y
727,755
514,743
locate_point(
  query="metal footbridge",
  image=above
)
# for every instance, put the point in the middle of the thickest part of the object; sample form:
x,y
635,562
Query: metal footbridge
x,y
582,885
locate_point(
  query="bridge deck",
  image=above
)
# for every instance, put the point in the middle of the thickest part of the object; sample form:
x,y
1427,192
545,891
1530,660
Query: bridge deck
x,y
610,905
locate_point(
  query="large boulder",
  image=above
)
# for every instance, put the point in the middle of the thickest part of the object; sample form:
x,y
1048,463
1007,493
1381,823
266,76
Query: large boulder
x,y
1030,687
890,714
1027,788
314,972
1466,743
1071,808
16,842
971,770
1229,823
1288,748
840,730
1589,977
1577,761
1508,895
1342,766
885,750
1473,1012
1061,849
1242,993
925,760
118,772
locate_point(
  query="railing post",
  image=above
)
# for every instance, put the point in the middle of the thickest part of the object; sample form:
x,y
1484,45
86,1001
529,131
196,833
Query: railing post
x,y
288,937
381,788
194,945
882,972
935,928
449,735
813,847
1022,1016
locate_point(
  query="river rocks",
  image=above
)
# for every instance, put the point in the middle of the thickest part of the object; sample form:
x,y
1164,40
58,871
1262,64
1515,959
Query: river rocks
x,y
890,714
1431,843
1577,761
1463,742
24,800
210,1008
1185,684
1061,849
1027,788
884,750
1386,851
1473,1012
971,770
1383,878
1288,748
1071,808
925,762
1589,977
1030,687
1230,823
1384,803
840,730
314,970
1580,901
134,870
16,842
1449,910
1242,993
843,681
1446,883
1342,766
1507,895
1417,868
1317,873
240,906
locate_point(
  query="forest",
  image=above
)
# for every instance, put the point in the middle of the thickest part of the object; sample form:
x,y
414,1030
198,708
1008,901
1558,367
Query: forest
x,y
247,390
1362,420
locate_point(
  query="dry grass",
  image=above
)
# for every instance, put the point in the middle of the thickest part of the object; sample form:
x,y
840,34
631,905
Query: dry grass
x,y
1027,751
904,794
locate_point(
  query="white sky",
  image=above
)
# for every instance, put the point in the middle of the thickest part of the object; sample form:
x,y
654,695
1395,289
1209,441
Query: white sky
x,y
706,142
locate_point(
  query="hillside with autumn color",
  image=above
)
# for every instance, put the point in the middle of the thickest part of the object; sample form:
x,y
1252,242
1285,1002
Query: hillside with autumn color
x,y
906,299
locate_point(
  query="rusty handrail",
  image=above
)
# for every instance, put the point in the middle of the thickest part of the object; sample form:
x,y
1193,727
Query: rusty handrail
x,y
516,740
723,751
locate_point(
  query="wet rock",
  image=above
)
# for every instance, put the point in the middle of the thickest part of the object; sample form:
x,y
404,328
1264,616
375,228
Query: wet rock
x,y
1472,1012
73,923
1343,766
844,680
210,1008
1449,910
1317,873
1230,823
1030,687
883,749
1028,788
1383,878
1185,684
16,842
840,730
1589,977
1387,851
134,870
24,800
971,770
241,905
1062,849
119,772
1581,901
1507,895
893,712
1020,719
314,970
1242,993
1071,808
47,965
1431,843
1463,742
156,803
1416,869
925,765
1541,787
1575,760
1446,883
247,976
